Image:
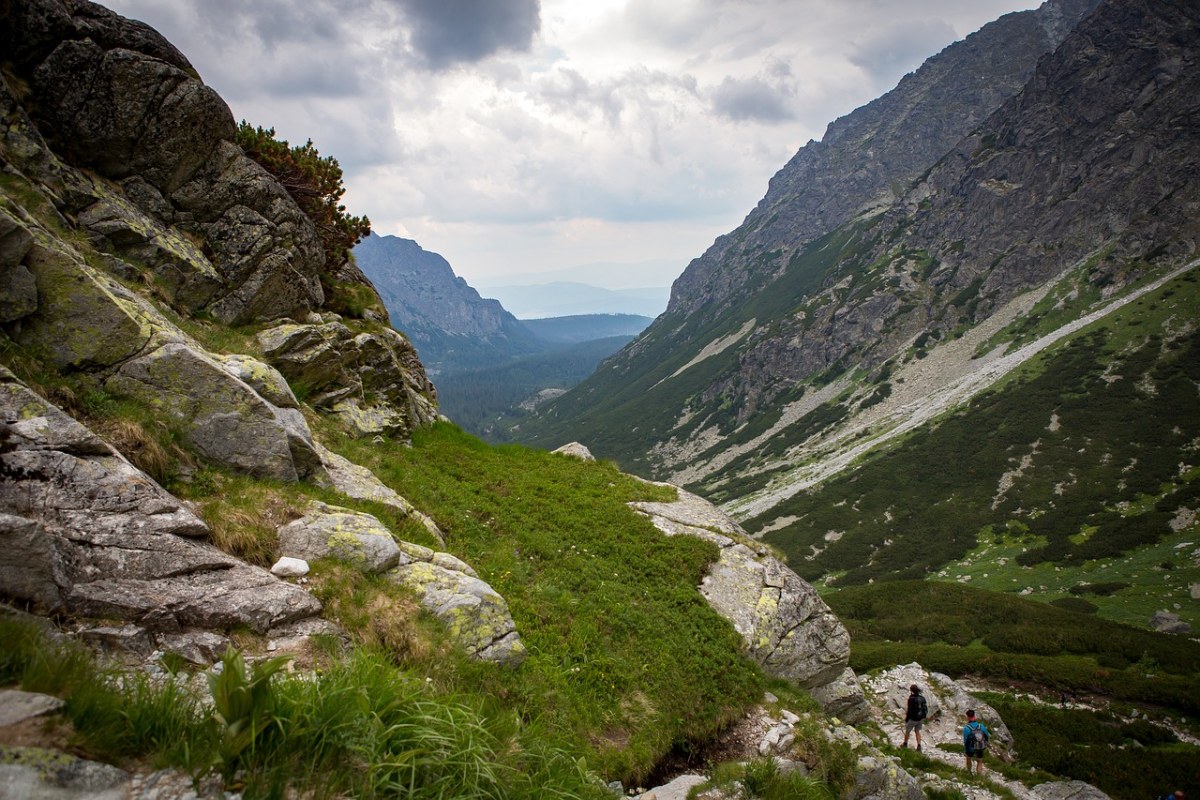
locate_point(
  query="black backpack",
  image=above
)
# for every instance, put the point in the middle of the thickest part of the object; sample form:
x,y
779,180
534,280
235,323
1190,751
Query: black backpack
x,y
977,739
922,707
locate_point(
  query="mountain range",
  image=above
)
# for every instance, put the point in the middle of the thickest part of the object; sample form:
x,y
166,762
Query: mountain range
x,y
1016,215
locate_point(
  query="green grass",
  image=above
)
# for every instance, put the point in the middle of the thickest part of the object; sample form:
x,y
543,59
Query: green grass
x,y
1120,757
359,728
589,583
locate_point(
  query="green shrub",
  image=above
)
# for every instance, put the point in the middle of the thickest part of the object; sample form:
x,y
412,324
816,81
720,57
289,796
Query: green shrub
x,y
313,181
1076,604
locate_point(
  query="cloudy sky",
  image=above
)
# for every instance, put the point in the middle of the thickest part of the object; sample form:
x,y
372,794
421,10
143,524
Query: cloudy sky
x,y
521,136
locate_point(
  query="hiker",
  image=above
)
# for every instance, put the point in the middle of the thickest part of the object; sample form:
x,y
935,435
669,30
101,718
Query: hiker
x,y
1178,795
975,740
915,714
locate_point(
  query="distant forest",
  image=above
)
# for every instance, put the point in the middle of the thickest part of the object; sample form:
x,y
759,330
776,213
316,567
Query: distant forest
x,y
485,401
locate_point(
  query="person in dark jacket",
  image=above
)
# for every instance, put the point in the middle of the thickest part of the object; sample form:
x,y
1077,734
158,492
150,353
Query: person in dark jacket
x,y
914,715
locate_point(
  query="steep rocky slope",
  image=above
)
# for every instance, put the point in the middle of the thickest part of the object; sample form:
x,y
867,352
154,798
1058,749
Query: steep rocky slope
x,y
453,328
134,230
870,156
1074,190
866,161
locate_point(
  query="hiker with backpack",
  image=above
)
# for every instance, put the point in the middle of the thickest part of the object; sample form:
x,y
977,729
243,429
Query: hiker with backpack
x,y
915,714
975,740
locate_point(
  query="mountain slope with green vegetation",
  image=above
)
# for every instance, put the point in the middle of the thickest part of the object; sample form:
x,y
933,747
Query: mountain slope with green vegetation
x,y
1078,470
989,377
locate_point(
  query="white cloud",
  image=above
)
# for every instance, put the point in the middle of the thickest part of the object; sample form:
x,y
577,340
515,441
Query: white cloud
x,y
518,136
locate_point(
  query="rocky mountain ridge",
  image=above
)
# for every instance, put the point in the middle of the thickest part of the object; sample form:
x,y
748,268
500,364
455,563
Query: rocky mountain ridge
x,y
1085,169
452,326
866,159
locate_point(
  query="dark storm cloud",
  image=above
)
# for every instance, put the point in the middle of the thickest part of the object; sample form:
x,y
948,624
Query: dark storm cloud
x,y
751,99
445,33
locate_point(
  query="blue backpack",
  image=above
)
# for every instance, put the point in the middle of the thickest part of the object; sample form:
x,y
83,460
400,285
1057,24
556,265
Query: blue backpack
x,y
977,740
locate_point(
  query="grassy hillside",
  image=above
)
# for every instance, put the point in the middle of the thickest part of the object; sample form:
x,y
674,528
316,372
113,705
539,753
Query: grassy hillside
x,y
1078,471
1102,670
623,651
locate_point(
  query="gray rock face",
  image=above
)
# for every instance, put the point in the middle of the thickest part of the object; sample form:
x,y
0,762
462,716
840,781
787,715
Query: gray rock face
x,y
475,614
372,382
18,291
350,536
143,356
264,245
224,419
112,95
125,112
86,533
786,626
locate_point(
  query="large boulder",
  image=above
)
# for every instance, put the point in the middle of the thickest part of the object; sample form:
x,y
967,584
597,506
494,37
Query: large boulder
x,y
785,624
84,532
372,381
476,616
222,417
339,533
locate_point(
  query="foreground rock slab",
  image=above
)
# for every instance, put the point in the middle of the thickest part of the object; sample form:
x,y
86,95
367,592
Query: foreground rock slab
x,y
83,531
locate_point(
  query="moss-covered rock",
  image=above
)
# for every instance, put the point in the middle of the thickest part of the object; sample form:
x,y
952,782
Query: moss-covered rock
x,y
333,532
476,616
222,417
371,381
785,624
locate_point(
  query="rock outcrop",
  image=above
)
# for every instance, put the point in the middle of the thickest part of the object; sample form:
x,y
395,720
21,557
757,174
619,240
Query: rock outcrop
x,y
786,626
341,534
113,96
87,533
112,131
370,380
948,702
475,614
